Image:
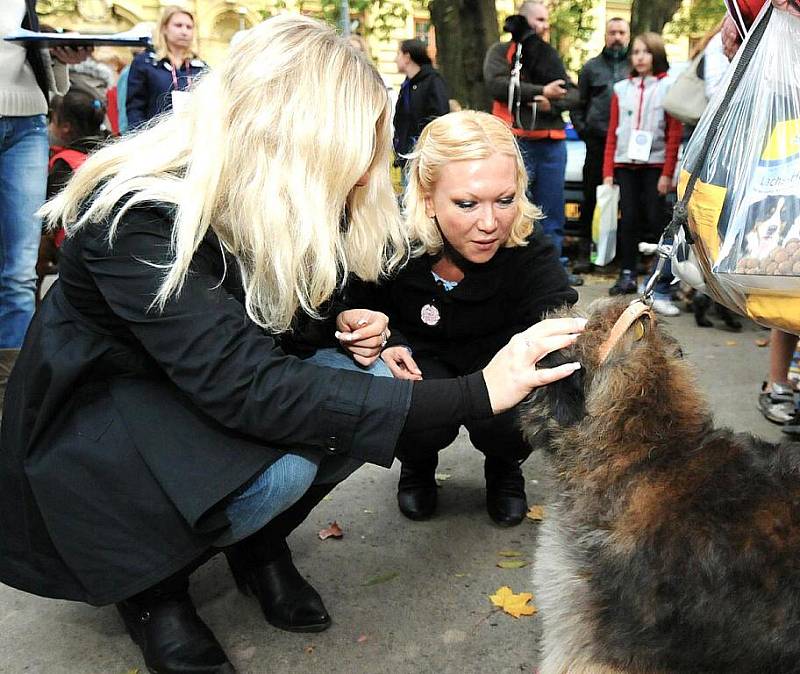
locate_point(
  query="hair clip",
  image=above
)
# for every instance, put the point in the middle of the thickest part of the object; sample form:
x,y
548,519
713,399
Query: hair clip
x,y
96,104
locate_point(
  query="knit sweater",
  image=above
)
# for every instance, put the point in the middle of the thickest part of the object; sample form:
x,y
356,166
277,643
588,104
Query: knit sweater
x,y
20,95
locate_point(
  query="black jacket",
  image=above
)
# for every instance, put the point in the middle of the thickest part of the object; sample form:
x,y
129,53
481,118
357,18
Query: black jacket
x,y
123,426
422,98
494,301
595,86
541,65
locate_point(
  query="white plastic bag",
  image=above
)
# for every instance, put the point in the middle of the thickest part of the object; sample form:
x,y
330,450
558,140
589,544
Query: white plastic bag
x,y
604,225
744,208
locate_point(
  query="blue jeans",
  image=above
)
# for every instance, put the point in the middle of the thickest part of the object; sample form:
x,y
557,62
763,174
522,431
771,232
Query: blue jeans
x,y
546,164
23,182
283,483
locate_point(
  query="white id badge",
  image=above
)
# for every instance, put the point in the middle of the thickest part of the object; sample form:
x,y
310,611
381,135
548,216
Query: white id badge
x,y
639,145
180,99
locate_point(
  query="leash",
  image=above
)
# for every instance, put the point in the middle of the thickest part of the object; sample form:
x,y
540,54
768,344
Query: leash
x,y
635,310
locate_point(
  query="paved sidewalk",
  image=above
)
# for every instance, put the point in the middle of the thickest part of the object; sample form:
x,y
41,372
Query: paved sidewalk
x,y
404,596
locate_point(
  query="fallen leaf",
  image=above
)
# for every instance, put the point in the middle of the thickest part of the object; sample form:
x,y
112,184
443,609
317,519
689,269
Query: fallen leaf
x,y
512,563
362,639
460,575
442,477
514,604
509,553
536,513
383,578
369,512
333,531
133,671
762,341
309,649
730,342
327,498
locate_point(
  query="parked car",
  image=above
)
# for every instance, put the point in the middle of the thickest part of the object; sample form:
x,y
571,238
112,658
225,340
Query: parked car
x,y
573,183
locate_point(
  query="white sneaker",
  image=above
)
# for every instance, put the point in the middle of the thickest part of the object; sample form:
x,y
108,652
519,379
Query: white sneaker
x,y
665,308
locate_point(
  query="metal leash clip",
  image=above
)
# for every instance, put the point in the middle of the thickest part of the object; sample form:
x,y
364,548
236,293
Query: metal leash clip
x,y
664,252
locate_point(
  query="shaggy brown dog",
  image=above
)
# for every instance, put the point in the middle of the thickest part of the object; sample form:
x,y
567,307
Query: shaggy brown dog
x,y
671,545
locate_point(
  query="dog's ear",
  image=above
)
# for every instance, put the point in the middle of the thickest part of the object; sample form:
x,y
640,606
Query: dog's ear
x,y
557,405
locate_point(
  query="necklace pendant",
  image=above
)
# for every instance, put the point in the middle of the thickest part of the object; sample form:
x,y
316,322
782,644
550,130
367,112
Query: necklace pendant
x,y
430,315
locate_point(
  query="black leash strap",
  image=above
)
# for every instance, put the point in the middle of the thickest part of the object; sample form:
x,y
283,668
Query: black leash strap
x,y
680,214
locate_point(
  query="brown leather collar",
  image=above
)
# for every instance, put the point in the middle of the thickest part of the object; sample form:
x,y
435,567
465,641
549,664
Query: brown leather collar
x,y
635,311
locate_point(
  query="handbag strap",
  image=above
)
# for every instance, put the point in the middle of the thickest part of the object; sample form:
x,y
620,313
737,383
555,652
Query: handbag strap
x,y
680,214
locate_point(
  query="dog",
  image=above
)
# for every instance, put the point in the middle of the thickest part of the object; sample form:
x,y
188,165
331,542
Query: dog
x,y
671,546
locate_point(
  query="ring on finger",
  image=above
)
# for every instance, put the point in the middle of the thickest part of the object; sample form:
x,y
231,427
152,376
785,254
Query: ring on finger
x,y
384,338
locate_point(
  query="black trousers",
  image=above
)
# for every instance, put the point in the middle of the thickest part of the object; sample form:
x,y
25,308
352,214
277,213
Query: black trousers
x,y
498,437
592,177
643,212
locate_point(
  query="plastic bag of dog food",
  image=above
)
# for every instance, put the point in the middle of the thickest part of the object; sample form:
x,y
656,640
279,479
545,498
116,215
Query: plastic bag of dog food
x,y
744,205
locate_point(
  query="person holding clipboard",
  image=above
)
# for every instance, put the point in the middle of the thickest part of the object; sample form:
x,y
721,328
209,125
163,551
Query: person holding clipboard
x,y
28,76
157,79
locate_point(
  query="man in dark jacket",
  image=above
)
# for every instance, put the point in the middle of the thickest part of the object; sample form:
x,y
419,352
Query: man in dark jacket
x,y
423,96
541,92
590,118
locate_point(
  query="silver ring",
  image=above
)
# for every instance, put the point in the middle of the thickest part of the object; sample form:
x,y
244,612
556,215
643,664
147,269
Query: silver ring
x,y
384,338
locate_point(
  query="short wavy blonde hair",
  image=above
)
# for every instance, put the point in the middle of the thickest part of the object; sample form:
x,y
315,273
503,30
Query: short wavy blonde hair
x,y
461,136
266,154
159,33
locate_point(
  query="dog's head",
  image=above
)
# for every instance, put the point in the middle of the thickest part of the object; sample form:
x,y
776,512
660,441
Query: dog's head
x,y
641,370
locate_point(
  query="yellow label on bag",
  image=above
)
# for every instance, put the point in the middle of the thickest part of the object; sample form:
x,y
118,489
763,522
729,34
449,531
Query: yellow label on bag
x,y
705,207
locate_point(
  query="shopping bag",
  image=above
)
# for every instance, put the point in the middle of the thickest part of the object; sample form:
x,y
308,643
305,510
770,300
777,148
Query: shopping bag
x,y
604,225
740,181
686,98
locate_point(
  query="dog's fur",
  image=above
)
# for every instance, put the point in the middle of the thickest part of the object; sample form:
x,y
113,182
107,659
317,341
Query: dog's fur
x,y
671,545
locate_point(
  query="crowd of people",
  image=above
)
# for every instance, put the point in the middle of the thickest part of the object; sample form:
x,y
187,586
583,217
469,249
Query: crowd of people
x,y
241,298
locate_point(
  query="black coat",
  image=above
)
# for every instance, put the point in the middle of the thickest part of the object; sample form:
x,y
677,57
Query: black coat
x,y
494,301
124,426
422,99
596,84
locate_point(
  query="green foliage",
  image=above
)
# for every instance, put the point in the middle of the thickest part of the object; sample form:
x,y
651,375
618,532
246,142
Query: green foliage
x,y
571,24
699,17
383,15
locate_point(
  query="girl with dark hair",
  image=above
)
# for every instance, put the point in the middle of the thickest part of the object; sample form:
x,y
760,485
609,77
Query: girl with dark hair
x,y
641,153
423,97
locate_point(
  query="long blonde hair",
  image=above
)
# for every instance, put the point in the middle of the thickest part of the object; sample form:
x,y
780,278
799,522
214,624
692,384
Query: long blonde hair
x,y
266,154
460,136
159,34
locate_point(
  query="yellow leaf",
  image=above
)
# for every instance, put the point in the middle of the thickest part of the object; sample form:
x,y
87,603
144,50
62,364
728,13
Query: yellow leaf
x,y
512,563
730,342
536,513
513,604
509,553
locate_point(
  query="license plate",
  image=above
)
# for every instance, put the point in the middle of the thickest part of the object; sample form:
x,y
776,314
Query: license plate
x,y
572,211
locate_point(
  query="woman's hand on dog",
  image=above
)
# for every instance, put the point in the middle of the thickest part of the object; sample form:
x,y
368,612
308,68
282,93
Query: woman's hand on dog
x,y
512,374
363,333
402,365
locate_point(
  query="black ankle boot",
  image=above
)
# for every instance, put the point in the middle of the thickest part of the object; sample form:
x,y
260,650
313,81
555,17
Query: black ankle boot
x,y
505,491
163,622
287,599
416,490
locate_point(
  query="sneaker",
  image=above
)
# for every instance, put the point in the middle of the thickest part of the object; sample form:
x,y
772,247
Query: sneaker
x,y
792,427
665,308
574,279
624,285
776,403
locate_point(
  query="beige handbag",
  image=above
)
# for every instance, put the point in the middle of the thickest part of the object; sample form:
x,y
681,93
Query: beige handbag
x,y
686,98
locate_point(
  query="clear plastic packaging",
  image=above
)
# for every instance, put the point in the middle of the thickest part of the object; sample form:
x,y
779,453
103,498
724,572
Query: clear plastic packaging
x,y
744,210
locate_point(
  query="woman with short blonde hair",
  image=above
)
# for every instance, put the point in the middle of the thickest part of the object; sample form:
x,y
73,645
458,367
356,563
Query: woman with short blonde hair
x,y
169,400
480,274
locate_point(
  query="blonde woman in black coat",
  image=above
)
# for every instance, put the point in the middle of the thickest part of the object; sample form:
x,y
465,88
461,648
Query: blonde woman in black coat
x,y
161,409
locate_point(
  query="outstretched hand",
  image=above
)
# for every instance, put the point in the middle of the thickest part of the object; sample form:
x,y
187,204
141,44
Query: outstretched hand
x,y
363,333
401,363
512,373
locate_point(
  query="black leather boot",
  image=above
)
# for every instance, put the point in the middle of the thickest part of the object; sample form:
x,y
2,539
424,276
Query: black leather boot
x,y
416,490
163,622
262,565
505,491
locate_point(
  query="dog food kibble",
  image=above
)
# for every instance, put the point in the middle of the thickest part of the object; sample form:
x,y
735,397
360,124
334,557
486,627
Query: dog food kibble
x,y
783,261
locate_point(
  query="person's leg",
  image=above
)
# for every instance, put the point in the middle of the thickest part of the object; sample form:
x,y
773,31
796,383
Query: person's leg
x,y
776,400
627,237
547,186
270,507
500,440
419,455
23,182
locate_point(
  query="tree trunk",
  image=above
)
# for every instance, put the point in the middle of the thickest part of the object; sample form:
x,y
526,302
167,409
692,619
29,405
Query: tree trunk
x,y
465,29
652,15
